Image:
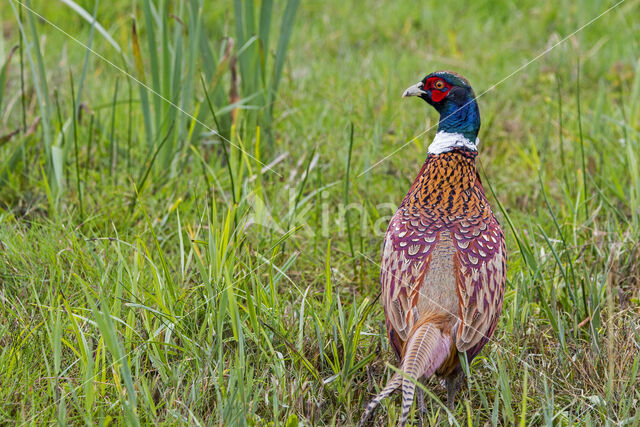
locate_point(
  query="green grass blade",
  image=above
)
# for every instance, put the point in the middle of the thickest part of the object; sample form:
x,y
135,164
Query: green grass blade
x,y
286,30
3,74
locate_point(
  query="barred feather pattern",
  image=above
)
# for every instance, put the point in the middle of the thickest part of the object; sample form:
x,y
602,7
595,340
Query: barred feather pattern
x,y
428,346
426,350
392,385
445,251
443,254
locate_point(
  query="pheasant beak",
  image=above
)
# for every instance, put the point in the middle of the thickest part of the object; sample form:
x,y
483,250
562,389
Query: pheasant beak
x,y
415,90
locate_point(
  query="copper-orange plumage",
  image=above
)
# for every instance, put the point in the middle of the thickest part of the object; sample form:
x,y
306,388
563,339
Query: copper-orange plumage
x,y
443,267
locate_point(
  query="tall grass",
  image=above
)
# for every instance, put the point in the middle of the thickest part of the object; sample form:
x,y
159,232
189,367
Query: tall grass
x,y
170,50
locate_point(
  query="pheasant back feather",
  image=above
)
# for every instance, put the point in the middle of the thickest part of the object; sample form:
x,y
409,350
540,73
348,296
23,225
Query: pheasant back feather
x,y
443,254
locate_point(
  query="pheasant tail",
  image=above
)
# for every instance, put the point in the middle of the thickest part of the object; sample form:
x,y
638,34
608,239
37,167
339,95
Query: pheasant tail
x,y
427,347
392,385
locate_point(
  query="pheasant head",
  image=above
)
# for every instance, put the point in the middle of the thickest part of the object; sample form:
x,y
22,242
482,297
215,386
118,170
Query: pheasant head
x,y
451,95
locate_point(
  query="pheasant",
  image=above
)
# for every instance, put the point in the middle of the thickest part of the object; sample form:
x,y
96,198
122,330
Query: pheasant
x,y
443,267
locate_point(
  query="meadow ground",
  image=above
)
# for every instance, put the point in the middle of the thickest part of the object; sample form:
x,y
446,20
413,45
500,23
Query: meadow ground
x,y
191,215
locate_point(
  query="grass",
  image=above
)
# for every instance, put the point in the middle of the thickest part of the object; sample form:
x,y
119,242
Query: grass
x,y
187,235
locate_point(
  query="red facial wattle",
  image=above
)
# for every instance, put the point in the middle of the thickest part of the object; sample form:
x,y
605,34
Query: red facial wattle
x,y
437,94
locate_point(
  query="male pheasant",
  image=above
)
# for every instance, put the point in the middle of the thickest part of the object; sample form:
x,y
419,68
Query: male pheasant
x,y
443,266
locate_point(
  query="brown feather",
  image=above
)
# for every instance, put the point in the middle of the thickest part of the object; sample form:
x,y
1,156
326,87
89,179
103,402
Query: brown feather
x,y
442,274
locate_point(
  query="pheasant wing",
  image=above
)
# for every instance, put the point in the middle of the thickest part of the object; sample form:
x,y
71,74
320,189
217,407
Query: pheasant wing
x,y
406,256
480,266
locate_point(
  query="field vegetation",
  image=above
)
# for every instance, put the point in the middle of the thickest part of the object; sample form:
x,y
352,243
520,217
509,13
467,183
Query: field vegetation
x,y
193,196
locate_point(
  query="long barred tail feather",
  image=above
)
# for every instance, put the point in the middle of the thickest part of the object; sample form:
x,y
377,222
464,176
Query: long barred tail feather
x,y
426,349
392,385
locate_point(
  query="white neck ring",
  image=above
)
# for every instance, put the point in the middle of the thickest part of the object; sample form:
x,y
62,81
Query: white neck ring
x,y
447,141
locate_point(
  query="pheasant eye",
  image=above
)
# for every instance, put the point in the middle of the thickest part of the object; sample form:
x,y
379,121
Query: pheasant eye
x,y
439,84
